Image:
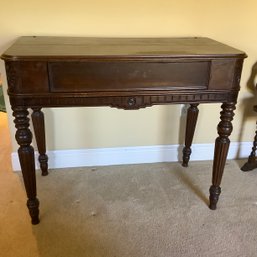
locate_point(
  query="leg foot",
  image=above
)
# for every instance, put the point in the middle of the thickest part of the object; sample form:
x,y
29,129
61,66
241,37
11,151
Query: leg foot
x,y
186,156
214,196
43,160
249,166
33,205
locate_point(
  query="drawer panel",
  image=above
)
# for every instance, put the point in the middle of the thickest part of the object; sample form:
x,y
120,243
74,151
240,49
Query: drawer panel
x,y
127,76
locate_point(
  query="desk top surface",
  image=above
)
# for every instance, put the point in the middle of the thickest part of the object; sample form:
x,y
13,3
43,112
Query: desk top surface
x,y
33,48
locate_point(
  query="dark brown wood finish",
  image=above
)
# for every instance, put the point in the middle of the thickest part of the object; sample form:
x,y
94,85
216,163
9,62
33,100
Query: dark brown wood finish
x,y
221,151
26,156
192,114
127,73
39,129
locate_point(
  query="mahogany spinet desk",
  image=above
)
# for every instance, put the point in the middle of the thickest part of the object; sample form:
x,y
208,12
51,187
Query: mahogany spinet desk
x,y
127,73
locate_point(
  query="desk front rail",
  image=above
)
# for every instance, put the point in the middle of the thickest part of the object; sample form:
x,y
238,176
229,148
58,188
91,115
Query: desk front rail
x,y
122,84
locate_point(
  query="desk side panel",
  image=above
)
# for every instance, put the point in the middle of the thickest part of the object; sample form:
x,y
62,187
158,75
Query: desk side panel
x,y
225,74
27,77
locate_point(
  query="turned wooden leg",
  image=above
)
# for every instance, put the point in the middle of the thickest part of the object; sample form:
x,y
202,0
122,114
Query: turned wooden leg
x,y
39,129
251,163
192,114
221,150
26,155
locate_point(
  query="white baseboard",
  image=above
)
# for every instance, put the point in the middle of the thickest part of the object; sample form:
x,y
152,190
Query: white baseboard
x,y
133,155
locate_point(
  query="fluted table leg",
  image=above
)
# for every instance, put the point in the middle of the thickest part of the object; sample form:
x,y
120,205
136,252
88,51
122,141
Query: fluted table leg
x,y
192,114
39,129
221,150
26,156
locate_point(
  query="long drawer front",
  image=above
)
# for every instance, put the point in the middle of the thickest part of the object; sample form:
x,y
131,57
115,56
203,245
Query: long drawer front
x,y
127,76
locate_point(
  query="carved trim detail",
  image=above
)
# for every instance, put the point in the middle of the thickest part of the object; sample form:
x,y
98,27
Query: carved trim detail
x,y
122,102
12,76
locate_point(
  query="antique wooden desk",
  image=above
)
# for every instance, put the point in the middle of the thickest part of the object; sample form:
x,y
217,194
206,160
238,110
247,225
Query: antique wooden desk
x,y
127,73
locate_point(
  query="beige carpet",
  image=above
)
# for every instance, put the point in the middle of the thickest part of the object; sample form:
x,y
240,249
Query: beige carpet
x,y
156,210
